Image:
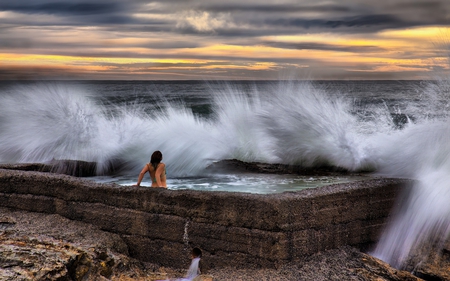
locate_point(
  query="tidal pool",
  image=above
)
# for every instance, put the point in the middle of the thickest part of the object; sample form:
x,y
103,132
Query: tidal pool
x,y
248,182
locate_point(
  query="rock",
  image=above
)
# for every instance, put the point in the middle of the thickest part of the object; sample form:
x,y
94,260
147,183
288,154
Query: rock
x,y
39,247
49,247
75,168
345,263
81,168
432,262
232,228
25,259
113,220
234,165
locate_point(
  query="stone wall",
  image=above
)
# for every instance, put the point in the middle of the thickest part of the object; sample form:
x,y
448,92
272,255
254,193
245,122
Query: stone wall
x,y
232,229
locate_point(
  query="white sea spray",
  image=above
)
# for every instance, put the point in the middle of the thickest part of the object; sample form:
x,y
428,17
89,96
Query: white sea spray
x,y
290,123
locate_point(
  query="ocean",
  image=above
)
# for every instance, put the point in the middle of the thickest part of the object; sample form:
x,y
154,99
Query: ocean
x,y
198,123
383,128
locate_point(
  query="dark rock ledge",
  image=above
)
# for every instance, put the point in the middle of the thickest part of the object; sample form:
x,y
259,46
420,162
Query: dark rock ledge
x,y
78,230
67,167
36,246
79,168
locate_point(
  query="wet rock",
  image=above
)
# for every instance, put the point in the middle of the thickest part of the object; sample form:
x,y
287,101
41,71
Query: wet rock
x,y
234,165
80,168
431,262
48,247
75,168
116,222
233,229
345,263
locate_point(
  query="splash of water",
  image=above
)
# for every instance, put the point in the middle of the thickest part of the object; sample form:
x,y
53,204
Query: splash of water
x,y
186,234
295,123
43,122
420,152
298,124
423,223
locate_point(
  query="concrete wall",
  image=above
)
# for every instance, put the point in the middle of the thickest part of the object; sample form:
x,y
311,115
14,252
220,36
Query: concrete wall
x,y
232,229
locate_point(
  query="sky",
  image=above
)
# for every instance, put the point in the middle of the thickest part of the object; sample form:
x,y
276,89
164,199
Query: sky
x,y
224,40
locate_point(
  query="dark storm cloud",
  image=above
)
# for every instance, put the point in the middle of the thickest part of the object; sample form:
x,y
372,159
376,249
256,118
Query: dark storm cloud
x,y
74,48
61,8
246,18
272,8
422,5
74,13
323,47
15,43
377,21
255,18
274,23
426,11
146,29
19,73
113,19
291,26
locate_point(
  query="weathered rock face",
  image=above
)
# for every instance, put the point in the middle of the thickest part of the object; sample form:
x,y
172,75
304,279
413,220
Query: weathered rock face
x,y
431,262
233,165
36,260
344,263
290,236
36,246
233,229
353,265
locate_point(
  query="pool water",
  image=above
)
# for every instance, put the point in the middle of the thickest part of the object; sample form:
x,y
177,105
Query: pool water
x,y
249,183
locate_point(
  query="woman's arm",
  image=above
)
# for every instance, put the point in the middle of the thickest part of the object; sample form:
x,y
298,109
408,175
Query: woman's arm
x,y
141,175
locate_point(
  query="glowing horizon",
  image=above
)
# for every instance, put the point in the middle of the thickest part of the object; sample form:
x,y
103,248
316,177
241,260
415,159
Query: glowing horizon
x,y
217,43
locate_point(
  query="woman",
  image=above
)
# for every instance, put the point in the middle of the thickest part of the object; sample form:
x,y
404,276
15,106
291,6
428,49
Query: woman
x,y
157,171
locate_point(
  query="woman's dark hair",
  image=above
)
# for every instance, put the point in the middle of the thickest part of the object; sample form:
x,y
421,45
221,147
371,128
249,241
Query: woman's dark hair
x,y
156,158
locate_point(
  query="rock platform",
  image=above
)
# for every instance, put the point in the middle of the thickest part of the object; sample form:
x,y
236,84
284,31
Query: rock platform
x,y
273,233
231,228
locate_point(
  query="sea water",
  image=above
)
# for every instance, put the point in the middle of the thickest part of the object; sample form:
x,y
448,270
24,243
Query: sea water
x,y
241,182
389,128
